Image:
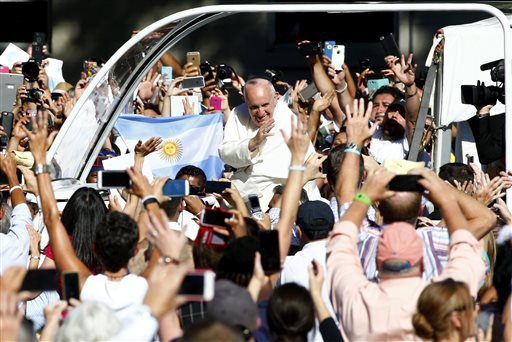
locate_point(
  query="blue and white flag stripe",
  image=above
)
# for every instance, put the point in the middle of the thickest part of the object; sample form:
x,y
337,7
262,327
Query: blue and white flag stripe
x,y
187,140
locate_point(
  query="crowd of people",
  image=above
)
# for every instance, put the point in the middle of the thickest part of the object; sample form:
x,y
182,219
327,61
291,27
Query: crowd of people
x,y
369,245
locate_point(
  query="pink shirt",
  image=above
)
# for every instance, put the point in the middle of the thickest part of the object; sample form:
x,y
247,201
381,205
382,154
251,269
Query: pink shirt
x,y
383,311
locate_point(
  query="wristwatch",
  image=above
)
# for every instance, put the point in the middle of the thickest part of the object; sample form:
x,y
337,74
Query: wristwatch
x,y
42,168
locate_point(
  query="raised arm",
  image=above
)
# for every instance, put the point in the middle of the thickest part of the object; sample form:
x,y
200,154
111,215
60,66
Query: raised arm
x,y
358,131
298,144
65,257
405,73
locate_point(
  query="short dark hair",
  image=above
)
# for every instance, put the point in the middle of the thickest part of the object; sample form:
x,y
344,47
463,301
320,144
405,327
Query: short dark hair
x,y
211,330
191,170
290,312
395,92
237,263
116,240
332,165
171,206
459,172
279,189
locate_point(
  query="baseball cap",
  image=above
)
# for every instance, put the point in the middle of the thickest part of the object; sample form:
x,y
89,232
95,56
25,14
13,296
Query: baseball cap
x,y
399,247
315,216
233,304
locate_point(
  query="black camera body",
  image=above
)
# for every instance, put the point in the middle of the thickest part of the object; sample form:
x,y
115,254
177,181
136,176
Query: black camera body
x,y
274,75
481,95
30,70
310,49
34,95
224,73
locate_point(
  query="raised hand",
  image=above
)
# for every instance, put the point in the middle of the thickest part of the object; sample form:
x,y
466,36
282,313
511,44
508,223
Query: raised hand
x,y
376,185
358,129
261,135
324,101
168,241
149,146
298,142
147,86
403,71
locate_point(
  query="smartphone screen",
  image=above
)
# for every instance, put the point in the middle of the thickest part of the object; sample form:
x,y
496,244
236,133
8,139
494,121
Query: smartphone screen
x,y
192,82
70,286
198,285
166,72
374,85
406,183
254,202
113,179
40,280
216,186
215,218
269,250
176,188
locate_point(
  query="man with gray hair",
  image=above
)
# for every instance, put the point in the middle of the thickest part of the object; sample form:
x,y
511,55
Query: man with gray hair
x,y
254,145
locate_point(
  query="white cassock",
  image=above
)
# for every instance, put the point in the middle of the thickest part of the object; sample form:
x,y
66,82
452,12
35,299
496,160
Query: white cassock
x,y
260,171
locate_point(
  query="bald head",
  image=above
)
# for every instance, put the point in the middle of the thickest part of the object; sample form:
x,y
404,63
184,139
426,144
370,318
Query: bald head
x,y
402,206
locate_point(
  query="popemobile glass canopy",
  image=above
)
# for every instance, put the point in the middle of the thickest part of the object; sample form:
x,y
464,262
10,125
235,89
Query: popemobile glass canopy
x,y
89,124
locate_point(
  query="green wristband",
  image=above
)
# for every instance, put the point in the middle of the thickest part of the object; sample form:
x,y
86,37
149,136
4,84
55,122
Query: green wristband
x,y
360,197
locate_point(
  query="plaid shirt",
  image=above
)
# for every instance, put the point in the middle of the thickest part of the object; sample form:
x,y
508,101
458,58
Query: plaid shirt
x,y
436,242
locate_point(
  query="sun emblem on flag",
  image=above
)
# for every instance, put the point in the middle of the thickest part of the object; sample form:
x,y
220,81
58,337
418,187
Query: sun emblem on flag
x,y
171,150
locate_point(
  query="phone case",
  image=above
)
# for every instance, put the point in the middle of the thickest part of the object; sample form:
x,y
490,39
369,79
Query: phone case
x,y
192,82
216,102
328,48
338,56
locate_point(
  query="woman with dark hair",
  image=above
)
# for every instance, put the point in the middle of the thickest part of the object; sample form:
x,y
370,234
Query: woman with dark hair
x,y
445,311
81,215
290,313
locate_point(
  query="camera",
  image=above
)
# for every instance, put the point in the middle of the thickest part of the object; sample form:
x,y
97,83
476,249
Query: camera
x,y
224,73
34,95
481,94
310,48
273,75
30,70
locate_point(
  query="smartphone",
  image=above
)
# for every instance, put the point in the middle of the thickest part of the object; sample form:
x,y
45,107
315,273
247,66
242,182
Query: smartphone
x,y
194,57
268,246
406,183
389,45
310,49
206,68
6,121
40,280
216,186
374,85
198,285
364,63
70,286
192,82
113,179
166,72
176,188
255,207
338,57
215,218
328,46
308,92
216,103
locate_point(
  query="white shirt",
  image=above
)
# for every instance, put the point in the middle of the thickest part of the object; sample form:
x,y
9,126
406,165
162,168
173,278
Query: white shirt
x,y
14,245
382,149
295,270
122,296
258,172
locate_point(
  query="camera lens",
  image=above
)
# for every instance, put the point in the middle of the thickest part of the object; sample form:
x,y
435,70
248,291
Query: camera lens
x,y
30,70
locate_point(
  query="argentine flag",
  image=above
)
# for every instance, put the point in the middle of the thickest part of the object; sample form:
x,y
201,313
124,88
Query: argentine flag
x,y
187,140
